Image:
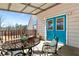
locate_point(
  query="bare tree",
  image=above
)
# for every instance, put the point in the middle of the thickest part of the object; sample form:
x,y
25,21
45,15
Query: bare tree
x,y
1,22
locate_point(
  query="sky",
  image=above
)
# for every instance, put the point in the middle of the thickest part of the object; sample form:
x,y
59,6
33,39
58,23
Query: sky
x,y
11,18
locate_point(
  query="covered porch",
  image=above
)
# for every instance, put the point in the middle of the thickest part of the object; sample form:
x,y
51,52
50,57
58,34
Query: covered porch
x,y
48,21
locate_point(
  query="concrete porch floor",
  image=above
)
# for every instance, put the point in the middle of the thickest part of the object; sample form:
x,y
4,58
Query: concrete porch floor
x,y
38,49
63,51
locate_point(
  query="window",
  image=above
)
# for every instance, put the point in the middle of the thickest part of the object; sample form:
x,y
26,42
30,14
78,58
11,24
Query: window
x,y
50,25
60,24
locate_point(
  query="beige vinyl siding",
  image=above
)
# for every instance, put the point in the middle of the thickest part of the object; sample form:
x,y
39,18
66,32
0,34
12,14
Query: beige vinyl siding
x,y
73,37
41,27
72,13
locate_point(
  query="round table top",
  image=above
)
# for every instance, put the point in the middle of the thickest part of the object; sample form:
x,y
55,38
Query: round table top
x,y
17,44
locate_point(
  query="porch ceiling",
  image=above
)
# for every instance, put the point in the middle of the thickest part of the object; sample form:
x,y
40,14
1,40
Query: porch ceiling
x,y
30,8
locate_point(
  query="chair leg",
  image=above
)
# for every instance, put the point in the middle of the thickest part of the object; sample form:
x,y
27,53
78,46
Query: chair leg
x,y
30,52
55,53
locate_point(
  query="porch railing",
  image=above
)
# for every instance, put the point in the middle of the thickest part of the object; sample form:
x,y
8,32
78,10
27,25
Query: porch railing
x,y
7,35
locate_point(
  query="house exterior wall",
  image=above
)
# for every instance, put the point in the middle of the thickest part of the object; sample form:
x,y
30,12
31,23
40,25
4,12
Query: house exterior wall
x,y
72,12
32,22
30,25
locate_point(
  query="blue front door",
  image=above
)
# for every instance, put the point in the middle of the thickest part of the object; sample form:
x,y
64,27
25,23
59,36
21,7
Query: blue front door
x,y
50,28
57,26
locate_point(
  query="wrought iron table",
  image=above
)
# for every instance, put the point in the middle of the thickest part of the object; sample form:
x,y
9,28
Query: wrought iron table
x,y
18,45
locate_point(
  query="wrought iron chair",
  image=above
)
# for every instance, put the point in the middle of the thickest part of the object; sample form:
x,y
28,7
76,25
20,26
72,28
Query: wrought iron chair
x,y
4,52
50,48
